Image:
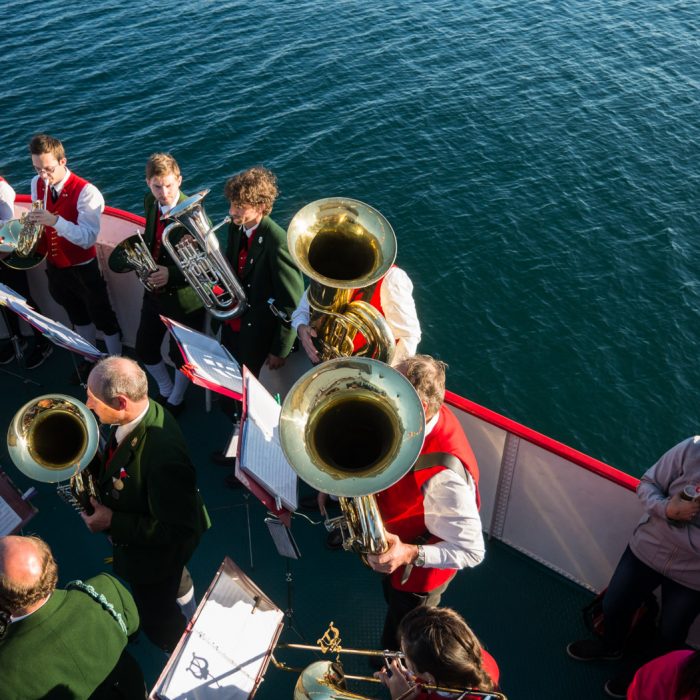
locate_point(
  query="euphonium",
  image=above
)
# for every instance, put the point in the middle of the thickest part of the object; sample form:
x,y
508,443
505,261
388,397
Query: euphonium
x,y
139,258
25,238
342,244
202,262
352,427
53,438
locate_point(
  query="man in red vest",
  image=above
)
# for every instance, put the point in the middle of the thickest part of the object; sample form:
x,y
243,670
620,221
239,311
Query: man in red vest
x,y
72,222
431,514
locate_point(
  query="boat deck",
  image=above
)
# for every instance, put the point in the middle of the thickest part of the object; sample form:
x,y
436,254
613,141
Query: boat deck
x,y
523,612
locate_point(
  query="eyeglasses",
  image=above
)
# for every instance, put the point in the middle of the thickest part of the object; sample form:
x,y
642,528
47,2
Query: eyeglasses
x,y
48,171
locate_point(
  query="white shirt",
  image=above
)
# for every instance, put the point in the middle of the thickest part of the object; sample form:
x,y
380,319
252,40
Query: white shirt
x,y
7,202
451,514
396,297
91,204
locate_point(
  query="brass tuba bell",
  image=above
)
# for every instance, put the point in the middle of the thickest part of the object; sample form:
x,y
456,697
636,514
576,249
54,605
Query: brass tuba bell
x,y
352,427
342,244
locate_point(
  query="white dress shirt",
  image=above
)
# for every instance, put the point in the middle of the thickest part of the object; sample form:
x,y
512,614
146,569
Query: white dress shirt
x,y
396,298
451,514
91,204
7,202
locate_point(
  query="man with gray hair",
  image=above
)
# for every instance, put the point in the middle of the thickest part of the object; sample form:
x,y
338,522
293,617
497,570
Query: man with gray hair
x,y
149,503
75,639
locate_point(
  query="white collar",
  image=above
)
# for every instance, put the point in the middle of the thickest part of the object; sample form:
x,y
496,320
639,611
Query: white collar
x,y
59,186
430,425
17,618
123,430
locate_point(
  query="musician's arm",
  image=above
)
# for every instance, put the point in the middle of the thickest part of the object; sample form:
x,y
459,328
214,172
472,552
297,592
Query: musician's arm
x,y
84,233
399,309
7,202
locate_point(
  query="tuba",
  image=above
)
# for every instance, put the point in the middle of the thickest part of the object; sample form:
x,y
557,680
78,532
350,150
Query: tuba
x,y
353,427
20,238
202,262
53,438
342,244
139,258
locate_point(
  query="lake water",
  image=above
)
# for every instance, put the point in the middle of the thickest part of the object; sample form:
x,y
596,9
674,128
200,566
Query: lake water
x,y
538,162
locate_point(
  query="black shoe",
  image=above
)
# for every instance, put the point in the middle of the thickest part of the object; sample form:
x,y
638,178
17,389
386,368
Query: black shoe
x,y
592,650
7,354
232,482
334,540
80,375
617,687
218,457
309,502
37,357
175,408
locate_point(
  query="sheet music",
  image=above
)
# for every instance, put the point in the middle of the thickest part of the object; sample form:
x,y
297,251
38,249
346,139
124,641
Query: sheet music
x,y
261,454
210,359
9,294
9,519
227,647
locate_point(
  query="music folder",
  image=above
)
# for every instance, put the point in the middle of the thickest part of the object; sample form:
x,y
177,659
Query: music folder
x,y
15,510
226,648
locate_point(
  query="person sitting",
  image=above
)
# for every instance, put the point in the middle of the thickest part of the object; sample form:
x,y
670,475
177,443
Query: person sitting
x,y
663,551
440,649
673,676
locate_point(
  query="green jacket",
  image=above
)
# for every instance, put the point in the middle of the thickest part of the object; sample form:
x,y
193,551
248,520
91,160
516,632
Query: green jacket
x,y
69,646
177,293
159,515
269,273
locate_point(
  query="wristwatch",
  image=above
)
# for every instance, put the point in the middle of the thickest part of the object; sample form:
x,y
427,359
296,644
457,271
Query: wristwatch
x,y
420,557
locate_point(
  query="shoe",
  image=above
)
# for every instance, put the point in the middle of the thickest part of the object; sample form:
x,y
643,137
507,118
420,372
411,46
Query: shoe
x,y
334,540
218,457
7,354
592,650
617,687
37,357
175,408
80,375
232,482
309,502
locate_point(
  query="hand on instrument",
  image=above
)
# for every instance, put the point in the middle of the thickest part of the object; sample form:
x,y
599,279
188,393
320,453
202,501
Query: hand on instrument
x,y
680,509
274,361
42,216
306,334
159,278
398,554
398,679
100,520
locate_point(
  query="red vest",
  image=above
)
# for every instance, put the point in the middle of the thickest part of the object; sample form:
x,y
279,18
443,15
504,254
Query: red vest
x,y
375,300
401,505
60,252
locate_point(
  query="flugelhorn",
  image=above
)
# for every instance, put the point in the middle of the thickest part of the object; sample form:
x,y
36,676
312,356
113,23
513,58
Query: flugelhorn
x,y
352,427
53,438
139,258
22,236
201,261
342,244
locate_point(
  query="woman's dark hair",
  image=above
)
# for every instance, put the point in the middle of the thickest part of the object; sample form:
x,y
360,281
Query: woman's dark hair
x,y
689,678
438,641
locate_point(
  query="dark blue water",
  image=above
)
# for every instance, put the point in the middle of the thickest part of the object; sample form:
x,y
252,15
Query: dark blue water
x,y
537,160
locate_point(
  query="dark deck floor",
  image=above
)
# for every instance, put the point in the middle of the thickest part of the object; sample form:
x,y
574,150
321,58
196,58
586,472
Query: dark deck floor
x,y
524,613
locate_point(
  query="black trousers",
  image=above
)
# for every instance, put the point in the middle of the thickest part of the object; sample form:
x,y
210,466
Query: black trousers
x,y
402,602
17,280
162,620
82,292
149,336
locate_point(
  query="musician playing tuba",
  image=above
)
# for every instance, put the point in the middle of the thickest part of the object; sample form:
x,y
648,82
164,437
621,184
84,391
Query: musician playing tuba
x,y
167,291
350,228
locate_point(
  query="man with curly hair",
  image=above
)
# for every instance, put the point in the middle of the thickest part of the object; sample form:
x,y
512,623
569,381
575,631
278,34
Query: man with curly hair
x,y
58,632
257,251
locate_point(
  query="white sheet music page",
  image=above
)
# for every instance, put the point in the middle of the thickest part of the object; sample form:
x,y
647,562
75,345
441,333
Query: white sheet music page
x,y
211,360
261,454
9,519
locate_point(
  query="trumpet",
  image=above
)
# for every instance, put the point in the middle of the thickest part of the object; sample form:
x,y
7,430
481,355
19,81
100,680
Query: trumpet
x,y
201,261
25,236
139,258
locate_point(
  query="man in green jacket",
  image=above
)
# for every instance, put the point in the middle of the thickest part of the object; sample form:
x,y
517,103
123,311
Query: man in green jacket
x,y
258,253
150,506
171,295
63,644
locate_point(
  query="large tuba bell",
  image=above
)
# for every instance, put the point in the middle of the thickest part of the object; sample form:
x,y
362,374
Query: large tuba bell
x,y
342,244
202,261
139,258
352,427
20,238
53,438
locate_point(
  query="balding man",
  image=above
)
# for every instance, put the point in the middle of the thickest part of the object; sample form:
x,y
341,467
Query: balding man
x,y
150,506
64,644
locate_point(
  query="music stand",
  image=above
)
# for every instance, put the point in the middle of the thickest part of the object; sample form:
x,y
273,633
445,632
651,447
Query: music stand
x,y
227,646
